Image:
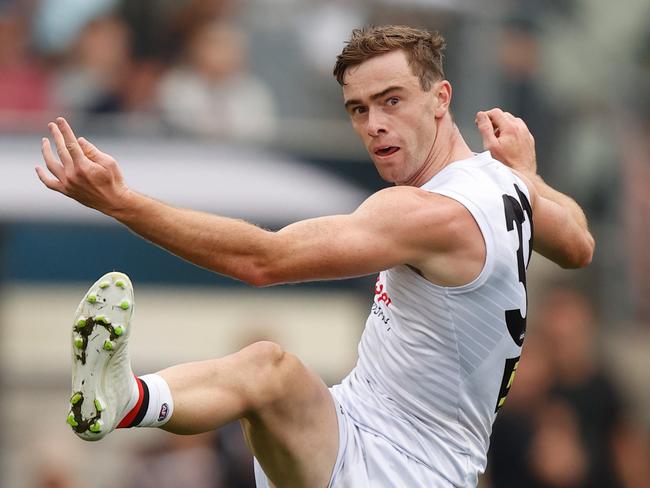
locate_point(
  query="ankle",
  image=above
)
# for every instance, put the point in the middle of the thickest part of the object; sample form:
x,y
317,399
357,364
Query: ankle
x,y
151,404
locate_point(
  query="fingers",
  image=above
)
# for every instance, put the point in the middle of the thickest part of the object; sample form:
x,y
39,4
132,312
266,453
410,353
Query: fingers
x,y
61,150
522,125
70,140
50,161
498,117
508,123
48,181
96,156
503,120
486,129
89,150
68,151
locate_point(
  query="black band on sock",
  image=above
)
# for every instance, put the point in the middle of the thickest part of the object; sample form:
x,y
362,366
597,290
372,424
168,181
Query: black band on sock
x,y
145,404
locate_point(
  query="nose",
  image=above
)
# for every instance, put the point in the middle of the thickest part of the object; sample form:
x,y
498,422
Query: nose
x,y
376,123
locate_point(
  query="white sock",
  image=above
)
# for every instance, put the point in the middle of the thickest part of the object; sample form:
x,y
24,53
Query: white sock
x,y
151,403
161,404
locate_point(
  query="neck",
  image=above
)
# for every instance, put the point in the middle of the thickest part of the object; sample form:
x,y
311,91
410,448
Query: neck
x,y
447,147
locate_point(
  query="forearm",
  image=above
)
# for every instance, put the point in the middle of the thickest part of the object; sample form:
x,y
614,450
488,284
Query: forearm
x,y
227,246
561,229
574,210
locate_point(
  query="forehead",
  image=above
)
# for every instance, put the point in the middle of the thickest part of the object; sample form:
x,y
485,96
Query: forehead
x,y
378,73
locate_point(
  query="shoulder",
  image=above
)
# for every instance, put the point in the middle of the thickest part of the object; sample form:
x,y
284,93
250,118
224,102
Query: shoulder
x,y
410,201
425,216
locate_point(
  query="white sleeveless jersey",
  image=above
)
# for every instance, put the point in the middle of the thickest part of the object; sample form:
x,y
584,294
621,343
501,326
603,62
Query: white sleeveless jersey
x,y
436,363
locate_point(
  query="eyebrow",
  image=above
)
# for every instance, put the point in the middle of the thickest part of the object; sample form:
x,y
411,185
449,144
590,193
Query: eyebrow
x,y
382,93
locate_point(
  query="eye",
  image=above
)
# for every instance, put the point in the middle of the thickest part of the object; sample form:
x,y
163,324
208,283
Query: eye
x,y
359,110
392,101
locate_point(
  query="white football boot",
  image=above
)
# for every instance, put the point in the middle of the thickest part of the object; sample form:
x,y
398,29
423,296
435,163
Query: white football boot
x,y
104,389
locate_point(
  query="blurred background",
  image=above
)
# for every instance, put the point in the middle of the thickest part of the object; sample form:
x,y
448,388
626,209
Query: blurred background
x,y
229,106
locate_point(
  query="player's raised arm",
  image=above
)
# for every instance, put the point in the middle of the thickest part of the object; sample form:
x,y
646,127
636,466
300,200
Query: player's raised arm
x,y
561,229
392,227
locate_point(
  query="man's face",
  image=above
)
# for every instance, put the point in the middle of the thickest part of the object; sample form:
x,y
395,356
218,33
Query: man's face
x,y
394,117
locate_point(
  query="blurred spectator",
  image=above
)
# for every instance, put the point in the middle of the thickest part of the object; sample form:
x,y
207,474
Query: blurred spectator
x,y
96,75
150,47
149,23
211,94
234,456
184,461
54,459
557,457
615,452
636,181
519,53
161,28
24,83
191,15
159,31
58,23
218,459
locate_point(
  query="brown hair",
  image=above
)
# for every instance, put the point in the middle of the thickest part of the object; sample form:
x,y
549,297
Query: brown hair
x,y
423,48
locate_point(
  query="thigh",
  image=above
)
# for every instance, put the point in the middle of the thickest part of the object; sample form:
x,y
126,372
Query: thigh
x,y
295,436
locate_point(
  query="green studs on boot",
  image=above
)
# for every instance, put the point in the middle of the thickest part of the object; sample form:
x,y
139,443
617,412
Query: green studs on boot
x,y
81,323
125,304
119,330
96,428
78,342
109,345
91,298
75,398
102,319
98,405
104,284
119,284
71,421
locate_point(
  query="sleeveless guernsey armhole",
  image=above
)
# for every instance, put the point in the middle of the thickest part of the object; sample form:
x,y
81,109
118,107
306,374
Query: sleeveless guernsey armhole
x,y
488,239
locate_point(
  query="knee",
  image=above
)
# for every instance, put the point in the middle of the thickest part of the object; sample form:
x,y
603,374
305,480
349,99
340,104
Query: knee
x,y
273,370
265,354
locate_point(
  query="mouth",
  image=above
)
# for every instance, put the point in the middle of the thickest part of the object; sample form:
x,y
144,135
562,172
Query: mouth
x,y
385,151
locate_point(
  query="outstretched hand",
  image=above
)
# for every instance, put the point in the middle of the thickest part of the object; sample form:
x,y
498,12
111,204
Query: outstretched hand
x,y
81,172
508,140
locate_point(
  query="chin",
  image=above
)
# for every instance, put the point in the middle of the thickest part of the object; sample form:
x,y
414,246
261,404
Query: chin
x,y
387,171
392,174
385,175
390,178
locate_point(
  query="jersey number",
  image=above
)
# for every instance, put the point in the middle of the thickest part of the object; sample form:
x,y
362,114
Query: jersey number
x,y
516,213
515,321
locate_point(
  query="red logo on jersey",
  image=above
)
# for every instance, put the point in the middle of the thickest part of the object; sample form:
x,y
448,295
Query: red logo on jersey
x,y
380,294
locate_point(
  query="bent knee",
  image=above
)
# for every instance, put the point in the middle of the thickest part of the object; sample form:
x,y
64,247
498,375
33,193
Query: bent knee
x,y
274,374
265,354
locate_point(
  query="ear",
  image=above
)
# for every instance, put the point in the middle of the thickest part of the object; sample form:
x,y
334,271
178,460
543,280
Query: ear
x,y
443,97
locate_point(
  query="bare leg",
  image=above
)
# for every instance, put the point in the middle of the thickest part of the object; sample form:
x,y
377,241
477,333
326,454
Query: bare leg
x,y
286,410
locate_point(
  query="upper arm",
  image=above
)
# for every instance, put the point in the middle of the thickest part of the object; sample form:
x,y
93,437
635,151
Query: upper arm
x,y
394,226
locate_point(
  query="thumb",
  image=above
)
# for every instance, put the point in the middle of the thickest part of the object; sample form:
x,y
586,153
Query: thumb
x,y
90,151
486,129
